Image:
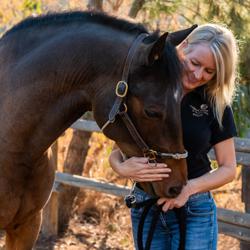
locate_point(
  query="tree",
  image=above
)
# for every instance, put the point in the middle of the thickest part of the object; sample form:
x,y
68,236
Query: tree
x,y
136,7
95,5
115,4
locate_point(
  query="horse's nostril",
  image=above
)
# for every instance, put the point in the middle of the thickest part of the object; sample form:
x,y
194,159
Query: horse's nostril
x,y
175,191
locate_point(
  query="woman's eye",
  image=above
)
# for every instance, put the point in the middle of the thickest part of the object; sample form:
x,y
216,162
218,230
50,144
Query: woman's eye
x,y
210,72
152,113
195,63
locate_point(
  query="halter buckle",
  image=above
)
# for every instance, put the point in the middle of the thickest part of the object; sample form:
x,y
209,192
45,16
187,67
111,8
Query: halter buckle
x,y
151,154
121,89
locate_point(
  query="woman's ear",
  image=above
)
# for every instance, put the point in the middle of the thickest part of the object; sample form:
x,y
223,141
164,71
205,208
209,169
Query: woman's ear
x,y
181,48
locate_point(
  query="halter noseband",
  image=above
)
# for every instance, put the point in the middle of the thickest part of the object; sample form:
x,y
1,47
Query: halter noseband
x,y
120,108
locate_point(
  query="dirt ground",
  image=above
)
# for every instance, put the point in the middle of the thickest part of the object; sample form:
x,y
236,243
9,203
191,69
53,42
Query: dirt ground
x,y
101,221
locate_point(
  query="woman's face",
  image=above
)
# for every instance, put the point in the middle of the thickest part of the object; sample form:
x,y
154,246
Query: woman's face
x,y
199,66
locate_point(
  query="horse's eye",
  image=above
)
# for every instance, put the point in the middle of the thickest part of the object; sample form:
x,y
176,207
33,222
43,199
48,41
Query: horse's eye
x,y
152,113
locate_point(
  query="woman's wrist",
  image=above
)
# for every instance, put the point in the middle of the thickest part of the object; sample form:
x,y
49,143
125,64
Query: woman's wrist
x,y
115,160
191,187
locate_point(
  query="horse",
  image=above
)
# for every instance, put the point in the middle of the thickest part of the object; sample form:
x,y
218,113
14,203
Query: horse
x,y
54,68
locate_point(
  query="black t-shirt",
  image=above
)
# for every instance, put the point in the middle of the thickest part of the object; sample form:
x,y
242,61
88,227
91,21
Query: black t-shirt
x,y
201,130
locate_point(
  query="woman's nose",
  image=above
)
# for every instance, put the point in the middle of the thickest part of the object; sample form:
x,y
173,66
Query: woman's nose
x,y
198,74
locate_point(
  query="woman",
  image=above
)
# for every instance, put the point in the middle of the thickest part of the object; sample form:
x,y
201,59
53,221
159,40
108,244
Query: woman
x,y
209,57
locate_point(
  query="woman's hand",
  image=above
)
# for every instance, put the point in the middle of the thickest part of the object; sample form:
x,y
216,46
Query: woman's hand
x,y
137,168
179,201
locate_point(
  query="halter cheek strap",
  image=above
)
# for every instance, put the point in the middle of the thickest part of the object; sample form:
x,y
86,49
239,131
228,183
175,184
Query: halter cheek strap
x,y
122,86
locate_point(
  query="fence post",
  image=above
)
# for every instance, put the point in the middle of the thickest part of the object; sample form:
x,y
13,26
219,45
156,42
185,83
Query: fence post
x,y
50,211
73,164
245,198
50,217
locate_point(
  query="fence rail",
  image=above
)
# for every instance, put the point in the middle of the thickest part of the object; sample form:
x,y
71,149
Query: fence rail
x,y
88,183
232,223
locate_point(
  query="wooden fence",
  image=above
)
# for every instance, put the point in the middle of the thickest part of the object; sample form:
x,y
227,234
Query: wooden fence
x,y
232,223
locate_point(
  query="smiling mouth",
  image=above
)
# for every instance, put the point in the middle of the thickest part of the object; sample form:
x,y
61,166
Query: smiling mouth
x,y
191,80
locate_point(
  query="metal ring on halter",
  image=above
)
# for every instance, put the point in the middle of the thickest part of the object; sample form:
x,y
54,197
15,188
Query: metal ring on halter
x,y
152,162
125,108
151,154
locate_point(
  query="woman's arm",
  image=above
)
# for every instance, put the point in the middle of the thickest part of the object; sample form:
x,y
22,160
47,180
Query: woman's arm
x,y
225,173
225,156
137,168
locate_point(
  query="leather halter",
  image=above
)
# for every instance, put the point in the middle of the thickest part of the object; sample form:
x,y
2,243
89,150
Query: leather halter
x,y
120,108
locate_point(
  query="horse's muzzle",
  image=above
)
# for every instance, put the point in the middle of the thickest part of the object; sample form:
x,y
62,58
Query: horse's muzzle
x,y
174,191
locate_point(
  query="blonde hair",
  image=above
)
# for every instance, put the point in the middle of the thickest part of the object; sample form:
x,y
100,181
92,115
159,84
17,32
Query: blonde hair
x,y
223,45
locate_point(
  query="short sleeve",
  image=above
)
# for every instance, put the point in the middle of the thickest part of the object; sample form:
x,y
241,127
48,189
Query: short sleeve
x,y
228,129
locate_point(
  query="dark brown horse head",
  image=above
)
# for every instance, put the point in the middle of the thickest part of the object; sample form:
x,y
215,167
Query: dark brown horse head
x,y
153,106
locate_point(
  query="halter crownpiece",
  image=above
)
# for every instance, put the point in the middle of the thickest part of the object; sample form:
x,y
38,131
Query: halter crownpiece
x,y
120,108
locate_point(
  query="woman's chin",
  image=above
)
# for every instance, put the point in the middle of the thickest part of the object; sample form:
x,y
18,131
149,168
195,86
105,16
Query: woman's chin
x,y
187,87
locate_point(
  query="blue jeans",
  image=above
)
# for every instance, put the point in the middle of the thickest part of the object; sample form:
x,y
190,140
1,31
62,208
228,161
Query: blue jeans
x,y
201,224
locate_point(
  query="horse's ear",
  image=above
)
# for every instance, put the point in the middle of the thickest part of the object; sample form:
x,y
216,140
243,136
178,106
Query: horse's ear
x,y
156,49
177,37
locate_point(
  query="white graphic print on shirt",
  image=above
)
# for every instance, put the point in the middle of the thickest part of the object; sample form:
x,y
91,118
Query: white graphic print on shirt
x,y
198,112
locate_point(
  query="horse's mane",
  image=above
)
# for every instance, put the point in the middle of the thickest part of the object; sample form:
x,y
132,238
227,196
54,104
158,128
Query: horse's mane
x,y
78,16
170,58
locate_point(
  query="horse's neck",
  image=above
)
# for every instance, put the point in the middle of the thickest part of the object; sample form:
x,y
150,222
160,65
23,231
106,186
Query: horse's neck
x,y
61,79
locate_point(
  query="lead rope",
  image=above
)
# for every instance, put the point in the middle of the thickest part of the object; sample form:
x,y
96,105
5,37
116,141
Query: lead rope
x,y
147,205
180,214
130,200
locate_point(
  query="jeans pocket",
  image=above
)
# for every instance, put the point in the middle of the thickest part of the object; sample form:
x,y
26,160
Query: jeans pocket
x,y
204,208
201,224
